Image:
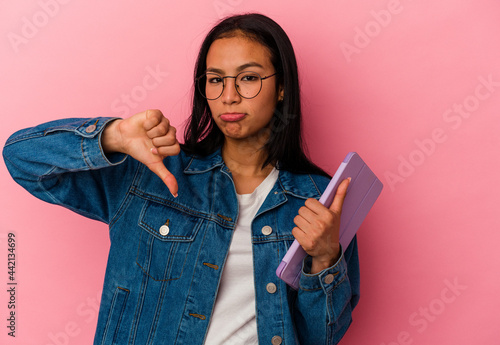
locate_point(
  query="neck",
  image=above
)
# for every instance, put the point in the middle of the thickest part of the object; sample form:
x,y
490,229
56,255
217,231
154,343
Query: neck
x,y
245,159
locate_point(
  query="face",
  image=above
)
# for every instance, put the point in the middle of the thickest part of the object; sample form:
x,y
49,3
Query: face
x,y
239,118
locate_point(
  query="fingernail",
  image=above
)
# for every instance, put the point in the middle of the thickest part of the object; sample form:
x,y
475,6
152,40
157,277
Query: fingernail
x,y
154,150
175,195
349,179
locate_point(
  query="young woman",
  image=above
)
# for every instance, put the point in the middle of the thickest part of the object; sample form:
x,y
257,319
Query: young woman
x,y
197,230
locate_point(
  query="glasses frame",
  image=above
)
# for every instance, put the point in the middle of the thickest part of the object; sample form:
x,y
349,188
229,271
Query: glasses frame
x,y
197,81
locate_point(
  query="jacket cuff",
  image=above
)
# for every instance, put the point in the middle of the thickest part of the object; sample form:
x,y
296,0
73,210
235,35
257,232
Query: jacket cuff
x,y
92,150
326,280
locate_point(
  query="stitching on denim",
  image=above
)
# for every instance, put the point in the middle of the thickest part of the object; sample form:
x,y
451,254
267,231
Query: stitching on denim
x,y
41,133
259,212
69,207
106,328
171,255
189,164
154,231
127,199
121,209
40,184
280,293
138,310
275,238
111,309
157,314
330,310
170,262
124,303
229,219
201,317
314,183
24,137
215,267
190,286
315,289
83,154
134,190
340,282
320,288
123,206
327,324
188,170
149,265
299,195
101,149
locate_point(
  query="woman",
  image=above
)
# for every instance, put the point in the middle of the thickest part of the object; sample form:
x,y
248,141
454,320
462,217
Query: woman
x,y
197,230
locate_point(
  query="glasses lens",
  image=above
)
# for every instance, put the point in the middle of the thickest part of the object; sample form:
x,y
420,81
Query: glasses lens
x,y
248,84
210,85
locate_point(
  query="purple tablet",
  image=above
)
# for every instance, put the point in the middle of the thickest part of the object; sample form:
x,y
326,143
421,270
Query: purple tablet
x,y
362,192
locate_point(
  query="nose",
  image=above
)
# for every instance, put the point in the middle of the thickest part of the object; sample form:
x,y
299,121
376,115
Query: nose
x,y
229,94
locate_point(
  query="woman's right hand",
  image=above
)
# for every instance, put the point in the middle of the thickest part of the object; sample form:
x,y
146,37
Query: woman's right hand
x,y
148,137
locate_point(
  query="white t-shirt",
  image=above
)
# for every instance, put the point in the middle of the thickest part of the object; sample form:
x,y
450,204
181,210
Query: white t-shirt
x,y
233,318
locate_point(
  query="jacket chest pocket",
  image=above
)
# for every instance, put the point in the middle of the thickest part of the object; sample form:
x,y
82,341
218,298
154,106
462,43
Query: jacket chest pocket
x,y
165,240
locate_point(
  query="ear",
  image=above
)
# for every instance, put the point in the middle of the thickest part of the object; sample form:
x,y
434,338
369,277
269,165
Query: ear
x,y
281,93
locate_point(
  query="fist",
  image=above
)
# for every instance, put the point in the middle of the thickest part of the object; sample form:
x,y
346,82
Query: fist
x,y
148,137
317,229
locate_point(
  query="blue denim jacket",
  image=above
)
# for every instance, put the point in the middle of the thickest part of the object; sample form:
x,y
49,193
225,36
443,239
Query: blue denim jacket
x,y
160,285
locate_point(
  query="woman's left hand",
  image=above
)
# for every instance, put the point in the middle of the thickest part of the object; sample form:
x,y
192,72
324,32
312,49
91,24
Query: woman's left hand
x,y
317,229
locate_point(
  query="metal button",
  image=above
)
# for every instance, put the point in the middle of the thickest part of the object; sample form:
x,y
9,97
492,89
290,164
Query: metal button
x,y
276,340
271,288
90,128
328,279
267,230
164,230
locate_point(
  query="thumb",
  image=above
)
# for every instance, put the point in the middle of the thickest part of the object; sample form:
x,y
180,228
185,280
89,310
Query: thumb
x,y
338,200
166,176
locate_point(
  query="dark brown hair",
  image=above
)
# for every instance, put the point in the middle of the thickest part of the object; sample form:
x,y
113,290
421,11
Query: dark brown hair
x,y
285,144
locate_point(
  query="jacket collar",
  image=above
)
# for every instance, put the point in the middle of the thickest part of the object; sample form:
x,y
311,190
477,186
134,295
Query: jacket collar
x,y
299,185
198,164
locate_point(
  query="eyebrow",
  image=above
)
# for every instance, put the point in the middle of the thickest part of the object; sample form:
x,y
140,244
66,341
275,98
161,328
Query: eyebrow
x,y
238,69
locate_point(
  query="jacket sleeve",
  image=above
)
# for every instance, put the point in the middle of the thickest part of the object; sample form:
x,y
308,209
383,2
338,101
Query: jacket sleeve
x,y
62,162
325,300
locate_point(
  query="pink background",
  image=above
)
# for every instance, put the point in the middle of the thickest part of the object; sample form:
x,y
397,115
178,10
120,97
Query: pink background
x,y
385,78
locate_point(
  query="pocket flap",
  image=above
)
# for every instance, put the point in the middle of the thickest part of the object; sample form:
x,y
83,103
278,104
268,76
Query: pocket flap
x,y
167,223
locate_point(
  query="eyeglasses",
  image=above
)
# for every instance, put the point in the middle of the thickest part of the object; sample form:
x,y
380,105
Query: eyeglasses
x,y
247,84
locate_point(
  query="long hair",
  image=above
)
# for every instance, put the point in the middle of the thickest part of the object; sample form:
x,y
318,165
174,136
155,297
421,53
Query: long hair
x,y
285,144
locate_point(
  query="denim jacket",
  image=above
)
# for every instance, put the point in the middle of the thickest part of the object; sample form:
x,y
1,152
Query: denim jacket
x,y
167,254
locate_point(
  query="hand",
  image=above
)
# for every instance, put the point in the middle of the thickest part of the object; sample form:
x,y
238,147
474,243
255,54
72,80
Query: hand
x,y
317,229
148,137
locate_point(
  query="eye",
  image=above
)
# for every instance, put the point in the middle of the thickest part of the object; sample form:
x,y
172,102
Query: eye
x,y
249,77
214,79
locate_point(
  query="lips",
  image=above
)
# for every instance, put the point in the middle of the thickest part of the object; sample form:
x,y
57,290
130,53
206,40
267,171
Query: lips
x,y
232,117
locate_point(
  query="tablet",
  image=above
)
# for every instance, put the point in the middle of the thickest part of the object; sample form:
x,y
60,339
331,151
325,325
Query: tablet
x,y
362,193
